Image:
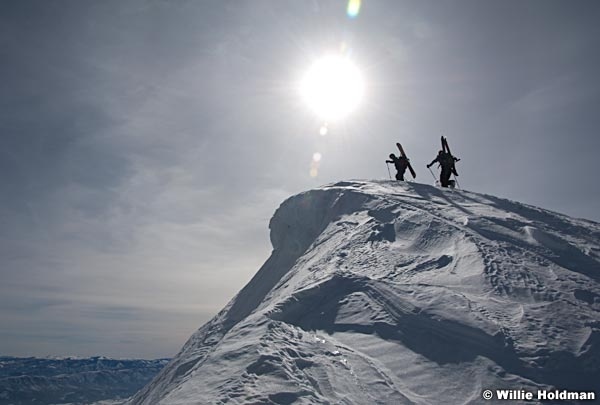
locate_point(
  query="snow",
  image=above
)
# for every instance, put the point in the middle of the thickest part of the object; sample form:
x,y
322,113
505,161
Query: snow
x,y
388,292
72,379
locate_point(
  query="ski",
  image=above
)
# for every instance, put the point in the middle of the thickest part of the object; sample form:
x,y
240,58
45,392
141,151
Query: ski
x,y
446,149
445,146
412,171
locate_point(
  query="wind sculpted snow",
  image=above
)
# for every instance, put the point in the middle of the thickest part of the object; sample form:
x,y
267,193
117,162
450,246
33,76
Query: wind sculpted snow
x,y
387,292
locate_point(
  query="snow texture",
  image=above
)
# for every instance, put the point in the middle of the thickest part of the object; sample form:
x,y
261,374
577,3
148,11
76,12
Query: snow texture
x,y
385,292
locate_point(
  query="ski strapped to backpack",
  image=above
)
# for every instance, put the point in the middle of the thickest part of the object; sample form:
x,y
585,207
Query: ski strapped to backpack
x,y
412,171
446,149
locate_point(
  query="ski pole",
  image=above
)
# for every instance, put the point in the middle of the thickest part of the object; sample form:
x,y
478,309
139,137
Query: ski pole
x,y
388,166
436,181
456,180
433,175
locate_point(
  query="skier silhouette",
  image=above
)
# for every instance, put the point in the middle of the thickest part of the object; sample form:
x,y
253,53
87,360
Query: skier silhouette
x,y
446,162
401,163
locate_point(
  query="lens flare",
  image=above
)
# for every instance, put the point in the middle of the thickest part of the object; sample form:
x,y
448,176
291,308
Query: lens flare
x,y
353,8
314,164
323,130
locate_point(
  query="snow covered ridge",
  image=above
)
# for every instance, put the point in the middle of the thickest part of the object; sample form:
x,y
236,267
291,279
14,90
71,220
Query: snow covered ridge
x,y
76,380
387,292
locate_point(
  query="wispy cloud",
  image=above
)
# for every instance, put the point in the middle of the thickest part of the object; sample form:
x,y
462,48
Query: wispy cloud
x,y
145,145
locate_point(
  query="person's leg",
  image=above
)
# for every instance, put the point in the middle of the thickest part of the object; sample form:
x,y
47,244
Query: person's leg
x,y
445,177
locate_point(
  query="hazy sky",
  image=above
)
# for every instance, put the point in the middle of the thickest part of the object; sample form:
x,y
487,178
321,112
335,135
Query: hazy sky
x,y
144,145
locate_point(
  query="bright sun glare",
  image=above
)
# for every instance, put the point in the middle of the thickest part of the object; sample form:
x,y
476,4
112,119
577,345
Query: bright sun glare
x,y
332,87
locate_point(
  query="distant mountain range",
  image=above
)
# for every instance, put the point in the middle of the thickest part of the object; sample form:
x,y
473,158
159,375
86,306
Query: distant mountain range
x,y
72,380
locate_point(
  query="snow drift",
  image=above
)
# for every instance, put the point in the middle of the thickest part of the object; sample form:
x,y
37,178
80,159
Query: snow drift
x,y
381,292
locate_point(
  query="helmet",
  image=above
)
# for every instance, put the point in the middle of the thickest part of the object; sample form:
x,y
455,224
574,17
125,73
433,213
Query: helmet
x,y
440,152
392,156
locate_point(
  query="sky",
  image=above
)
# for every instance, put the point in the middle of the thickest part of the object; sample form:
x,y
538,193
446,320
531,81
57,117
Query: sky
x,y
144,145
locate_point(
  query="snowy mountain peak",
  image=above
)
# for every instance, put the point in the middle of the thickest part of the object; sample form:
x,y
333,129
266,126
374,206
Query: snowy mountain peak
x,y
387,292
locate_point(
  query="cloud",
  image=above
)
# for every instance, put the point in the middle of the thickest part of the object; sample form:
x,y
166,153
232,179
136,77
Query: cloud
x,y
145,145
554,96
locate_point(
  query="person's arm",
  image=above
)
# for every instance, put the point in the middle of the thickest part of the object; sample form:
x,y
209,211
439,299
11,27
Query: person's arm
x,y
433,161
389,161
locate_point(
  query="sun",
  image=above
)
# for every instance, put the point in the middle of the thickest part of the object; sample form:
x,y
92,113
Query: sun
x,y
332,87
